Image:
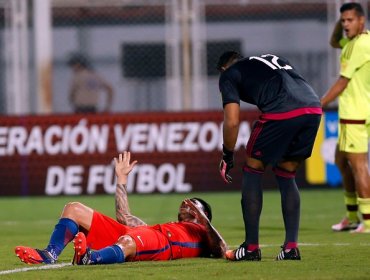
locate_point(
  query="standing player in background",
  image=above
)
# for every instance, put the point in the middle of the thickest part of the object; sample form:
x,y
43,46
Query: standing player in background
x,y
353,89
87,86
99,239
283,137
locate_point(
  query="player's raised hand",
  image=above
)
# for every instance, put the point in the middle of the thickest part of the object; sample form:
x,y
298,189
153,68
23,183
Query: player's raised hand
x,y
123,166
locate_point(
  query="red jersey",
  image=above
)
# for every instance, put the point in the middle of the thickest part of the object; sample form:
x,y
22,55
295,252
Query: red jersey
x,y
172,240
187,239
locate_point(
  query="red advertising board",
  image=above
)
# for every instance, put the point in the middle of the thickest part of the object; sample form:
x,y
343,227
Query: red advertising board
x,y
72,154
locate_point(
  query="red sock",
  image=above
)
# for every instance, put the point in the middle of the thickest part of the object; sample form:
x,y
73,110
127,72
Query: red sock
x,y
252,247
290,245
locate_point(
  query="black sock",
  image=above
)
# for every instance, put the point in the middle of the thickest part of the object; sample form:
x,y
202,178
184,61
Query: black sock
x,y
251,204
290,205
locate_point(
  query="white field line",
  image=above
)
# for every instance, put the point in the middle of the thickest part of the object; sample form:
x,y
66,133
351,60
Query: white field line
x,y
55,266
43,267
309,245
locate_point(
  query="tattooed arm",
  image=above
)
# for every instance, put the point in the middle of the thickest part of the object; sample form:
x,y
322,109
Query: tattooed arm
x,y
123,214
216,244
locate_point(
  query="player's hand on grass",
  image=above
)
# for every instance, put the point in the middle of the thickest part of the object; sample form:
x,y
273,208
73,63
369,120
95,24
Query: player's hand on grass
x,y
123,166
226,163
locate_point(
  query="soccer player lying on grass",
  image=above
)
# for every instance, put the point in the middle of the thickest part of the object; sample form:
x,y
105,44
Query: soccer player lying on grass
x,y
99,239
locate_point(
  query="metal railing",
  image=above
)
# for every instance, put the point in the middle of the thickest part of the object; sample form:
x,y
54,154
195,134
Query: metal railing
x,y
157,55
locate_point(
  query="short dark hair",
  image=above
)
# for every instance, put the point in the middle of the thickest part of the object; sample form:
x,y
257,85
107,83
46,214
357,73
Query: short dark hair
x,y
206,207
353,6
78,58
226,58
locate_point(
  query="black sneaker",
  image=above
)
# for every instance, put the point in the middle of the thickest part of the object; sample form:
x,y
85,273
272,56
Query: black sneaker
x,y
289,254
242,254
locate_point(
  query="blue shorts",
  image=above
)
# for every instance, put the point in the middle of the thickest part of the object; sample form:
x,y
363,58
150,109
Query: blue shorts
x,y
274,141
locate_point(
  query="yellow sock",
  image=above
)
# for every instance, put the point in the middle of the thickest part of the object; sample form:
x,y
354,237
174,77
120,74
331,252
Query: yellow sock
x,y
364,207
350,199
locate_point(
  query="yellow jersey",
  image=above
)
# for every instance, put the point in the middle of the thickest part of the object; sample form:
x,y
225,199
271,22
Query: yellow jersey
x,y
354,101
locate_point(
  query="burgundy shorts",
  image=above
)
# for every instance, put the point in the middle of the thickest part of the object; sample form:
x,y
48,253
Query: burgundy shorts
x,y
272,141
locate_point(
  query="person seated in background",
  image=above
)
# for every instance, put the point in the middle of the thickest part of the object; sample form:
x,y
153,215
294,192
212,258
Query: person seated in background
x,y
99,239
86,86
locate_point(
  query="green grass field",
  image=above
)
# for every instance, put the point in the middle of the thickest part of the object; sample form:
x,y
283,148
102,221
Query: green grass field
x,y
325,255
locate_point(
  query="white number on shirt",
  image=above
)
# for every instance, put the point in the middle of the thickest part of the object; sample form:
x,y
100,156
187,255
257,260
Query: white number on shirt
x,y
274,64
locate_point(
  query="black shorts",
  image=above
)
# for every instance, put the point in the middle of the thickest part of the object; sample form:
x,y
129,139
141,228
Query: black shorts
x,y
273,141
